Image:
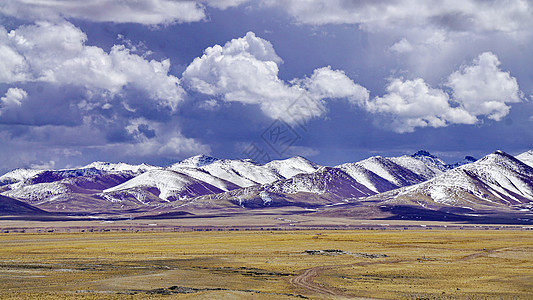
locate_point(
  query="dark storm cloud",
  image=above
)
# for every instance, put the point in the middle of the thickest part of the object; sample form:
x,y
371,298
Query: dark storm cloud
x,y
454,21
46,105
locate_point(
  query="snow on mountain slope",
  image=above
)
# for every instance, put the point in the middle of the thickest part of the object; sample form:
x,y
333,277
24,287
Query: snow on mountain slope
x,y
351,180
324,180
169,185
192,177
33,176
18,175
292,166
42,190
56,175
38,192
426,168
325,186
369,179
195,161
381,174
526,157
41,185
202,175
120,167
498,179
391,171
243,173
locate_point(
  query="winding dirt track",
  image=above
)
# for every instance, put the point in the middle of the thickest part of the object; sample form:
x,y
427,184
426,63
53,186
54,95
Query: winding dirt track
x,y
306,278
487,252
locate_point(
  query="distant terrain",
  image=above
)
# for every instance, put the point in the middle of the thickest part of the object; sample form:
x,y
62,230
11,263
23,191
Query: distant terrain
x,y
497,188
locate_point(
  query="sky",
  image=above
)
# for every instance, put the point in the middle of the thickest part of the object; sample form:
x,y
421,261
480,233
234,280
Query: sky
x,y
335,81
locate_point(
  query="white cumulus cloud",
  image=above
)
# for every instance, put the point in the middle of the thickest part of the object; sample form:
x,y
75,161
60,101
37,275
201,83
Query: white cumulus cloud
x,y
57,53
328,83
479,89
412,103
12,98
246,70
483,88
402,46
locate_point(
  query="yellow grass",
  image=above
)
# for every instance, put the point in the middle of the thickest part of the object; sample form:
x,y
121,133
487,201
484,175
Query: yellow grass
x,y
257,264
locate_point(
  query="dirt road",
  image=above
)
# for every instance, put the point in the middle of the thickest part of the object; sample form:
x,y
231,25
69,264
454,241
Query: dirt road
x,y
306,278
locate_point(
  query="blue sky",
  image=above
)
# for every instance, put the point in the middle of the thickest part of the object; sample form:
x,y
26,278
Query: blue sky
x,y
335,81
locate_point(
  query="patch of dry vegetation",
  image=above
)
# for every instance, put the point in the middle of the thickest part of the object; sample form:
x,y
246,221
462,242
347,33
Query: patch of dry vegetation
x,y
241,264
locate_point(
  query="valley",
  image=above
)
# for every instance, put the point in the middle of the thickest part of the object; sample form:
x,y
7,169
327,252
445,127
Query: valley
x,y
304,264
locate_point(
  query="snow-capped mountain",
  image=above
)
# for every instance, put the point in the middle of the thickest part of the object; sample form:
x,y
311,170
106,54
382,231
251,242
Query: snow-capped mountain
x,y
325,186
381,174
22,177
334,184
245,172
202,175
120,167
526,157
165,184
195,161
242,173
431,160
369,179
39,186
214,182
467,160
46,185
145,184
293,166
18,175
497,180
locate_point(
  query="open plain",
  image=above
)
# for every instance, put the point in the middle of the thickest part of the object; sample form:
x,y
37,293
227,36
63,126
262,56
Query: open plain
x,y
279,264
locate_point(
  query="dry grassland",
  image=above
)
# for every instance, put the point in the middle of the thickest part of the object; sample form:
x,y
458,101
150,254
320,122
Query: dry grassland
x,y
269,265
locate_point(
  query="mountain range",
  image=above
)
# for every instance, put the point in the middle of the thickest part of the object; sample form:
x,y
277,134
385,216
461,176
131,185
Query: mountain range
x,y
409,186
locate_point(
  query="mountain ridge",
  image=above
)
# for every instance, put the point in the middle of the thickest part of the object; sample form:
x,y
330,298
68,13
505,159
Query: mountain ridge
x,y
497,181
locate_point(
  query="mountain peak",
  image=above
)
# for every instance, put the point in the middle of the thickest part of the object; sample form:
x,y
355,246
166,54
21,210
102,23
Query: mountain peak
x,y
423,153
296,158
470,158
501,158
526,157
198,161
502,153
118,167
